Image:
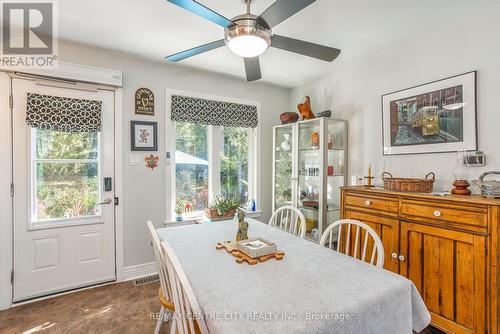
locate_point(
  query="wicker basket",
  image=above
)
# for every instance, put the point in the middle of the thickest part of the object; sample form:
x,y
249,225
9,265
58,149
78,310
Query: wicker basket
x,y
409,185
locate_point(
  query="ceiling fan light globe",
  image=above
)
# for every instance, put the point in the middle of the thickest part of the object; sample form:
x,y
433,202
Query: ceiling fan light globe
x,y
248,46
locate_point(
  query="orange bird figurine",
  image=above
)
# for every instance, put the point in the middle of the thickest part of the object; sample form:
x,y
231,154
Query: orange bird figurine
x,y
305,109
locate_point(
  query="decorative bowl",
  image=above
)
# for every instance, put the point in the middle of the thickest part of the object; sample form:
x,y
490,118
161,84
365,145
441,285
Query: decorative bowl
x,y
289,117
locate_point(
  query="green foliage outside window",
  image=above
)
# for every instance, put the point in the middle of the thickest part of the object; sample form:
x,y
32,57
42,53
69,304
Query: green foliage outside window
x,y
192,179
65,188
234,161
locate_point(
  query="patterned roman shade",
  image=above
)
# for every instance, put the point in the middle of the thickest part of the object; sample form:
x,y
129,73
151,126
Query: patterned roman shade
x,y
210,112
63,114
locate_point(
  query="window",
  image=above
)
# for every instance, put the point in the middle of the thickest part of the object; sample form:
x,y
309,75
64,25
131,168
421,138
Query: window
x,y
65,173
191,167
210,160
234,160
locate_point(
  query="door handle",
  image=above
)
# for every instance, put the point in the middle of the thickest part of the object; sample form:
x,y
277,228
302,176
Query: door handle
x,y
106,201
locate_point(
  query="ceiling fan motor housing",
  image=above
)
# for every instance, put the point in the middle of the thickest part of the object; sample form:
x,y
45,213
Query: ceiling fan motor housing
x,y
247,25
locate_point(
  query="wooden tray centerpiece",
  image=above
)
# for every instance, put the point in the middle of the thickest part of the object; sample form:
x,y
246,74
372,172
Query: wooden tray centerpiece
x,y
251,251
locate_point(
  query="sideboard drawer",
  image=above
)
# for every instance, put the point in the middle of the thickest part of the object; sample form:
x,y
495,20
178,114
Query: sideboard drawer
x,y
468,215
387,205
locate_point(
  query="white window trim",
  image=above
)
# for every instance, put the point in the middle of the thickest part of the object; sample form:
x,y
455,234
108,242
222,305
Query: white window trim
x,y
214,171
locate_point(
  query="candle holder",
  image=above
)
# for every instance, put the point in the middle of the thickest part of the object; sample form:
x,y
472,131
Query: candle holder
x,y
461,187
369,178
461,173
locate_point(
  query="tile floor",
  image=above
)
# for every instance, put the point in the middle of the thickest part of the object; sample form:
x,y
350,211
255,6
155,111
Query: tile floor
x,y
120,308
114,308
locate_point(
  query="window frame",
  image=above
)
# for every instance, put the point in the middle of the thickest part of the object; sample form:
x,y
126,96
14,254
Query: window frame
x,y
214,146
37,224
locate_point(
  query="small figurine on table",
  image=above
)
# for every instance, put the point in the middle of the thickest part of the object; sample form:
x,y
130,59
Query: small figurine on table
x,y
242,227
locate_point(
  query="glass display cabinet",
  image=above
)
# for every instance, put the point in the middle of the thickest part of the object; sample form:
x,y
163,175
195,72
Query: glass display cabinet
x,y
309,167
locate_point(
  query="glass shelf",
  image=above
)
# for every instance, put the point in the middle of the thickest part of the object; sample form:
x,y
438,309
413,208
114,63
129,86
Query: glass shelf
x,y
333,175
317,149
311,208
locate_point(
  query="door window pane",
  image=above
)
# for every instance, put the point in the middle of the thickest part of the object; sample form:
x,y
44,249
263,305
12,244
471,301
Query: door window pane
x,y
234,161
66,145
66,190
65,172
191,167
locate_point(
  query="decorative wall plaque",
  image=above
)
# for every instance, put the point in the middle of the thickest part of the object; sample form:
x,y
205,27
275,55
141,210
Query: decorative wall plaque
x,y
144,102
152,161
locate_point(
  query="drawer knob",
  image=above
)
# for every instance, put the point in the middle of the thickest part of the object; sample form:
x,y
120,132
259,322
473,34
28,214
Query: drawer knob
x,y
437,213
394,255
401,258
368,203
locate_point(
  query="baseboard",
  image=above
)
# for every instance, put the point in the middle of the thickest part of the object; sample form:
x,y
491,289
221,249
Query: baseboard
x,y
139,270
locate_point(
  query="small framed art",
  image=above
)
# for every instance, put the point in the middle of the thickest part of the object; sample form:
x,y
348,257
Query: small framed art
x,y
144,136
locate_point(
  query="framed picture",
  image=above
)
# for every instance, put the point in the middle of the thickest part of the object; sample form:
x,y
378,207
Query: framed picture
x,y
435,117
144,136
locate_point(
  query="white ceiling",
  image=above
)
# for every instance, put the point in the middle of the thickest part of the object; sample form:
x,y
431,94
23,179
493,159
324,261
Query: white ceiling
x,y
360,28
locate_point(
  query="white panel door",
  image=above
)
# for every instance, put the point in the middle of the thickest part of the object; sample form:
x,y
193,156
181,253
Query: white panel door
x,y
63,216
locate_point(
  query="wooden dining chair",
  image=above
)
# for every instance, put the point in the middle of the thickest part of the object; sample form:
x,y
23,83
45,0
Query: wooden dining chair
x,y
359,241
188,316
289,219
165,290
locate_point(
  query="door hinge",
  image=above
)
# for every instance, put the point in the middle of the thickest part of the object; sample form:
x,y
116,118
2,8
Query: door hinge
x,y
11,101
12,277
117,201
12,190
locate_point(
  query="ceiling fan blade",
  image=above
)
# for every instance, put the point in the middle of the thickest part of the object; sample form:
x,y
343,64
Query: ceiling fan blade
x,y
200,10
252,68
305,48
280,10
195,51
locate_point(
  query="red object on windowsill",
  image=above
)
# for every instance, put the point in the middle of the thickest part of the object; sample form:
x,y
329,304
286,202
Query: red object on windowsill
x,y
330,170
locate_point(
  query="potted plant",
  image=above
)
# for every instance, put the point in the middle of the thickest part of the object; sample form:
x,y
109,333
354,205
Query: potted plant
x,y
179,210
225,206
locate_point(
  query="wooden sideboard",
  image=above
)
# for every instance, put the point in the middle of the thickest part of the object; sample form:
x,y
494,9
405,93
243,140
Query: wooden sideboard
x,y
448,247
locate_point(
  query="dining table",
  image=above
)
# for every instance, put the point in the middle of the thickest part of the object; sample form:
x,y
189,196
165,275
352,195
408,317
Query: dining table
x,y
313,289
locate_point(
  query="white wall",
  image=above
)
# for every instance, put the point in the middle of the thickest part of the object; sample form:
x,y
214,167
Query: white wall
x,y
145,189
354,93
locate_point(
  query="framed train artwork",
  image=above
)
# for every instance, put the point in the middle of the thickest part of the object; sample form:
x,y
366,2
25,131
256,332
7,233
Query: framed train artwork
x,y
439,116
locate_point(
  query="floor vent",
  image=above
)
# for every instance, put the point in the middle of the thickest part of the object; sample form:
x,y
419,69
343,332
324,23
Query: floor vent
x,y
146,280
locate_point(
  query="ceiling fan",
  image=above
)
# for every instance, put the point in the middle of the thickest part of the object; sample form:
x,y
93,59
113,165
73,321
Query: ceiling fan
x,y
249,36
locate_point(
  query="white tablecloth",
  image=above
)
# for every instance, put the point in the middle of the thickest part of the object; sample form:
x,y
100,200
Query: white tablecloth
x,y
312,290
